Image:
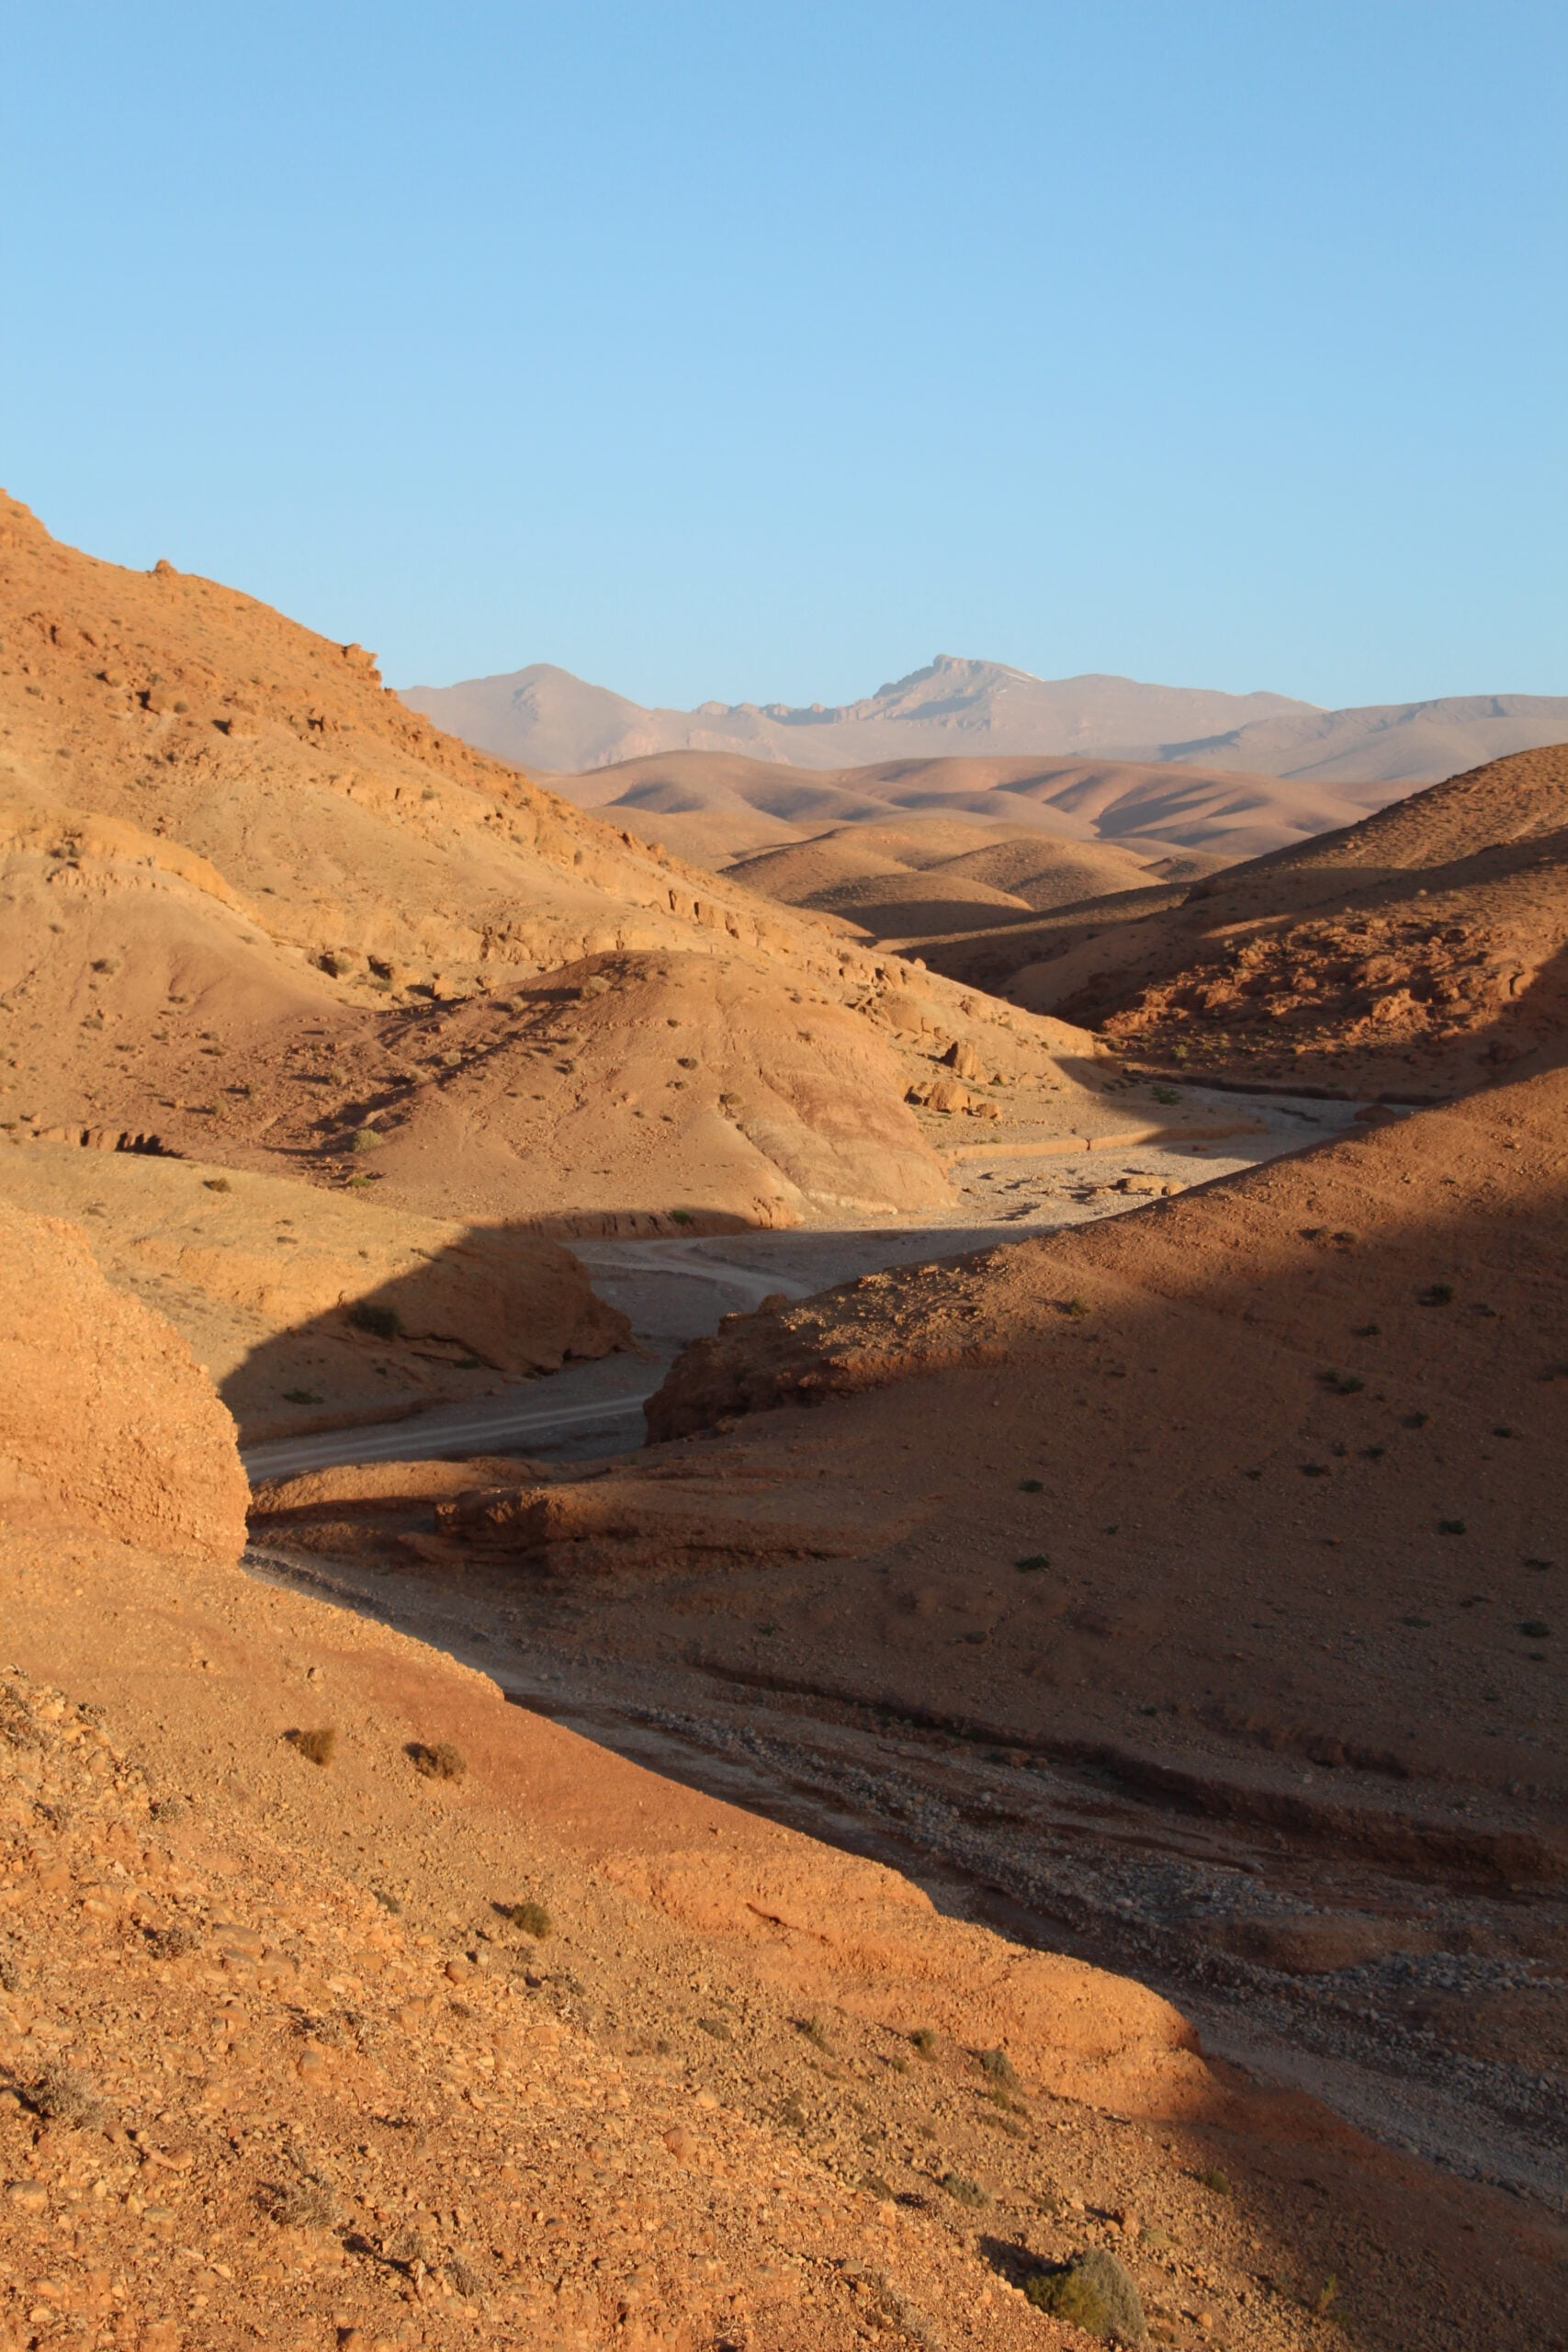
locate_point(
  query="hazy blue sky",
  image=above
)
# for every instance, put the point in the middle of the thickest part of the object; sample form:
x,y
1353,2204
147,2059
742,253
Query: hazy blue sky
x,y
764,351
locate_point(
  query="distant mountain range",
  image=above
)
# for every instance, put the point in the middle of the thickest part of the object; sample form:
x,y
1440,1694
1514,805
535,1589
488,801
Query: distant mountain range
x,y
546,719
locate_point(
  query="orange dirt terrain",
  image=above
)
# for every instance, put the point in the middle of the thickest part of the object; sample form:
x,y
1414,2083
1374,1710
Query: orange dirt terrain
x,y
343,2005
1162,1617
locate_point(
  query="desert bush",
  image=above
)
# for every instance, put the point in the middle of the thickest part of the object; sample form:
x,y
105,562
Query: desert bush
x,y
815,2030
440,1762
174,1941
999,2066
305,2202
962,2191
1094,2292
381,1322
924,2041
62,2094
531,1917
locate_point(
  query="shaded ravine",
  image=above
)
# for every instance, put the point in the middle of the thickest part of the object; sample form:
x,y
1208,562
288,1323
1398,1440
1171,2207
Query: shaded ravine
x,y
1054,1849
1052,1855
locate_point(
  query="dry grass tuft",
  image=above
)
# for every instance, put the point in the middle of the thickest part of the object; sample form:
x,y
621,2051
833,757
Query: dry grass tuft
x,y
319,1746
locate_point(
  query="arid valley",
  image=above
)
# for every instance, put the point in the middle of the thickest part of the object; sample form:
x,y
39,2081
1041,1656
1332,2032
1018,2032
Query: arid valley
x,y
784,1546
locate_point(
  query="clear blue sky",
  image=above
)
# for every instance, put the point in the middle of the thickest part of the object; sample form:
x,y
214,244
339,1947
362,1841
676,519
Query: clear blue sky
x,y
762,351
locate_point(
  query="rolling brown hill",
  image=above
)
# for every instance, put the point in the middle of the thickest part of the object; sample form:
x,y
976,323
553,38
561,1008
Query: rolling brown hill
x,y
244,891
1420,948
1260,1490
723,799
931,874
1145,1368
1404,742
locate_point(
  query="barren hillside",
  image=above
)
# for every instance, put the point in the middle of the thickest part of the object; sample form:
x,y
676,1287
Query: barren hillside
x,y
1419,949
244,891
734,805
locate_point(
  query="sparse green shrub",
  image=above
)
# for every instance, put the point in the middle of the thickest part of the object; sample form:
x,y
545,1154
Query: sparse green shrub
x,y
381,1322
680,1216
815,2030
1451,1527
1344,1383
962,2191
366,1139
1094,2292
320,1746
1437,1295
440,1762
924,2041
1074,1305
1032,1486
1031,1561
716,2027
792,2114
1536,1629
999,2066
531,1917
1217,2182
216,1184
301,1396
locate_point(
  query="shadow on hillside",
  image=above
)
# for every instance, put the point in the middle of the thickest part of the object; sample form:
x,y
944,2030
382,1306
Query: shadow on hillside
x,y
503,1306
1454,1321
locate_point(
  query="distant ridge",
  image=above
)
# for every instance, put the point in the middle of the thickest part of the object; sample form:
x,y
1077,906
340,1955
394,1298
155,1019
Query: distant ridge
x,y
543,718
1394,742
